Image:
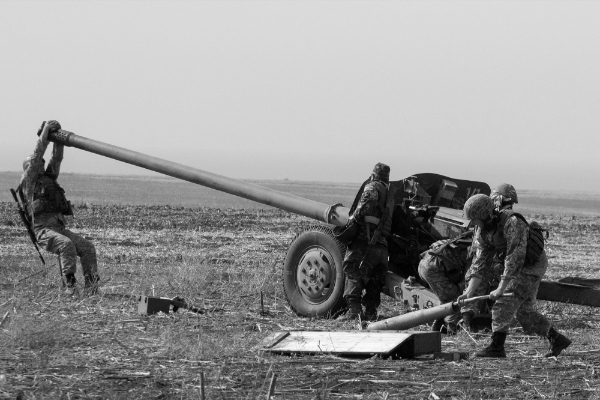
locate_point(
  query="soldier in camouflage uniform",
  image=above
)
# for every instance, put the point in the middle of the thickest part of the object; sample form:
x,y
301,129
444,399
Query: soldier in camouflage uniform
x,y
443,267
490,278
365,264
47,205
503,196
504,234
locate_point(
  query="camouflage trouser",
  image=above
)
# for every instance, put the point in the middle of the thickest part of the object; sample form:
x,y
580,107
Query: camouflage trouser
x,y
489,281
525,288
370,278
434,273
68,245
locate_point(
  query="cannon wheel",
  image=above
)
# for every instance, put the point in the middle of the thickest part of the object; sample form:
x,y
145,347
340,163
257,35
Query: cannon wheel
x,y
313,279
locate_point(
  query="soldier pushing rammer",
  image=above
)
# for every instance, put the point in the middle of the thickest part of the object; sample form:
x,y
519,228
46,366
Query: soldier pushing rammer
x,y
503,234
46,205
504,197
366,260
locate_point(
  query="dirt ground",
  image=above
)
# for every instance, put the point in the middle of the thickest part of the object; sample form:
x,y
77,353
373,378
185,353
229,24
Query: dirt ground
x,y
98,347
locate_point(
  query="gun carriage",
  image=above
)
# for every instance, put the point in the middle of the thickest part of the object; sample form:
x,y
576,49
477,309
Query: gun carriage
x,y
428,207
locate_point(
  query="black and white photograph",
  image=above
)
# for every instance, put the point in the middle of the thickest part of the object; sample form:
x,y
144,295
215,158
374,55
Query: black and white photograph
x,y
299,199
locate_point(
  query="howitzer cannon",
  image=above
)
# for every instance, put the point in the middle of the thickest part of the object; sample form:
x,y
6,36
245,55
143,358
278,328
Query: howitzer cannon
x,y
312,272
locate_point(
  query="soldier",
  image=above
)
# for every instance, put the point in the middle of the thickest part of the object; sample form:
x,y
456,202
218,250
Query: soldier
x,y
443,267
503,234
366,260
504,196
47,206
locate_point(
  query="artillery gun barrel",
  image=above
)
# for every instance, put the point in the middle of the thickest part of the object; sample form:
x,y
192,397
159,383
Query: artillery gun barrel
x,y
336,214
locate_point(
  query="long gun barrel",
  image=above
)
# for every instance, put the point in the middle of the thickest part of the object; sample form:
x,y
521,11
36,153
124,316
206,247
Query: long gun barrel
x,y
336,214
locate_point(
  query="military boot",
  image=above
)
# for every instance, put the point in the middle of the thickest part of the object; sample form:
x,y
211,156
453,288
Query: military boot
x,y
91,284
354,311
467,317
71,285
558,342
370,314
496,348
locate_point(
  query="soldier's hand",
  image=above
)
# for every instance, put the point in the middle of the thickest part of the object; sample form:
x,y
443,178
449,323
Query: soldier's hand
x,y
496,294
464,296
54,125
45,132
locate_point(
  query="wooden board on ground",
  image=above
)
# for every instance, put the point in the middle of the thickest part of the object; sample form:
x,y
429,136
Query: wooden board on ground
x,y
395,344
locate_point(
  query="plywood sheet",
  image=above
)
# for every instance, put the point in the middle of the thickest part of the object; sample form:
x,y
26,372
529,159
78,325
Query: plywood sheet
x,y
386,343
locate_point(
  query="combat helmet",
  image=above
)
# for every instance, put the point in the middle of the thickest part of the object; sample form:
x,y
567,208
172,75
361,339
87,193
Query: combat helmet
x,y
504,193
381,172
479,206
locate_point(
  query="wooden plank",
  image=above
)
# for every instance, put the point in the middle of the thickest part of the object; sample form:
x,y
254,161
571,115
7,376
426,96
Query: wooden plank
x,y
386,343
278,337
340,342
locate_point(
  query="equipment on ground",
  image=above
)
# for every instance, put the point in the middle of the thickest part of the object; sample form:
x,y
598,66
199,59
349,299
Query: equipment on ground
x,y
354,343
428,207
148,305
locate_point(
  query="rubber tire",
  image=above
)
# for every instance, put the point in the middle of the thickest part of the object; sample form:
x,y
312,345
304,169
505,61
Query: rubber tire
x,y
314,236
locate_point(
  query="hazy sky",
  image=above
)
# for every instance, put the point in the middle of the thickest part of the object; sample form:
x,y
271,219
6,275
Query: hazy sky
x,y
491,91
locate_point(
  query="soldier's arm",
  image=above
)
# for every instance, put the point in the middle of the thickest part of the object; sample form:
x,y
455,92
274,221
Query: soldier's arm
x,y
482,258
515,232
57,157
483,254
367,201
30,175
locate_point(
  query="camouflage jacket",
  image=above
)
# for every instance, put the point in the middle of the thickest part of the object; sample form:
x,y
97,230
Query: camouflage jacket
x,y
505,242
31,182
371,204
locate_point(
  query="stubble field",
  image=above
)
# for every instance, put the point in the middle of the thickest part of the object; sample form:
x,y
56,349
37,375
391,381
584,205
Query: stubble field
x,y
221,259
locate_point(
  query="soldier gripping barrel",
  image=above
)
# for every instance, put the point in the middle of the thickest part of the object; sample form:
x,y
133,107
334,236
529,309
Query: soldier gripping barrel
x,y
504,197
46,206
504,234
366,260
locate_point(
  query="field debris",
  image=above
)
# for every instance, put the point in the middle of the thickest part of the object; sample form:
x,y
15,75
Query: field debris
x,y
99,347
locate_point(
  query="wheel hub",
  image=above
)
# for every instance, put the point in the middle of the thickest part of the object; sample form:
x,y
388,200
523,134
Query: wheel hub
x,y
315,275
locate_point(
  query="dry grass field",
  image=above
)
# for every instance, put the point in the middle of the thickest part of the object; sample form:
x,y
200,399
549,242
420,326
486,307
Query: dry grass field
x,y
221,259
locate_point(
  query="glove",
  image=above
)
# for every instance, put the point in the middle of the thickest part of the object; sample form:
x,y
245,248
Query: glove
x,y
54,125
47,128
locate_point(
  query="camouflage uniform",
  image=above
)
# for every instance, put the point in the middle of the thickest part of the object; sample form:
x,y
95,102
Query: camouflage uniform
x,y
371,277
490,277
49,224
444,274
508,242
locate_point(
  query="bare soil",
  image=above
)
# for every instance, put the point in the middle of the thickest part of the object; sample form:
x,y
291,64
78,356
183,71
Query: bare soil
x,y
53,347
